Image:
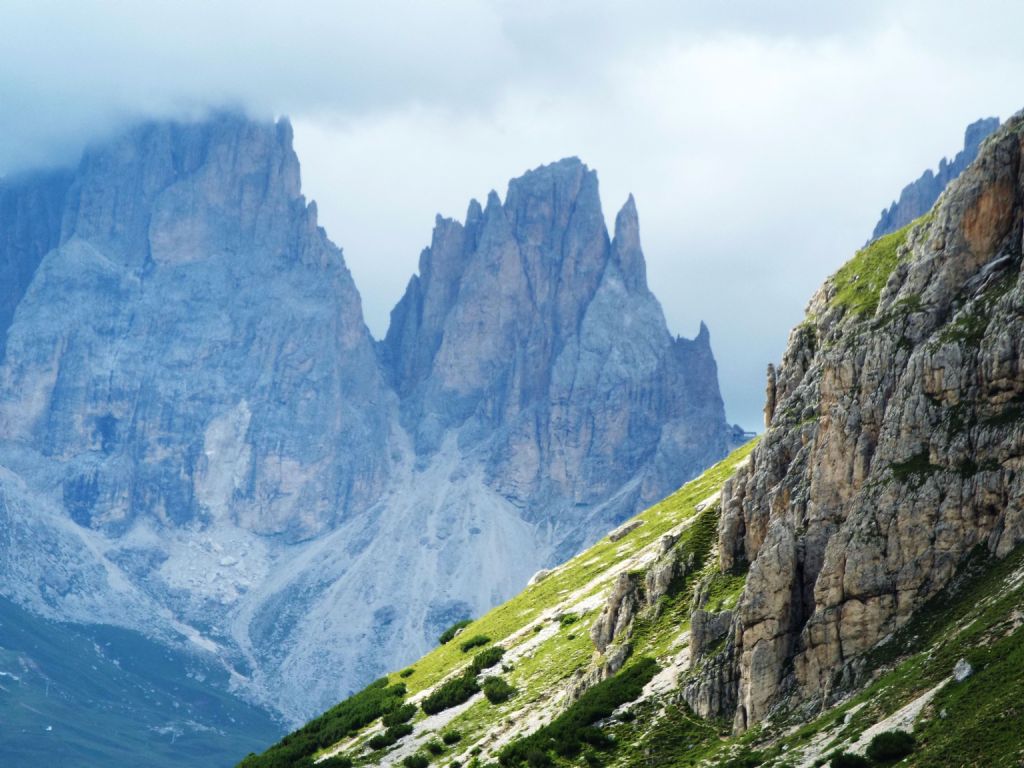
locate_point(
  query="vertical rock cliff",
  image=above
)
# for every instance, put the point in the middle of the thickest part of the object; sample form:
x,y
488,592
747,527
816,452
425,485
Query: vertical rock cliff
x,y
894,448
192,346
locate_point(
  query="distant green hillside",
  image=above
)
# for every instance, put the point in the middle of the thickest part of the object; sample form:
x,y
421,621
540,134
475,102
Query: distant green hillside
x,y
98,696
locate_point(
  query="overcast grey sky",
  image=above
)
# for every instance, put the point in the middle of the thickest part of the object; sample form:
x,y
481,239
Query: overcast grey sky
x,y
760,139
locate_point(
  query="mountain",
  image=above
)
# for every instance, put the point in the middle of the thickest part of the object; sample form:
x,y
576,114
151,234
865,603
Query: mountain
x,y
532,341
848,584
919,196
201,442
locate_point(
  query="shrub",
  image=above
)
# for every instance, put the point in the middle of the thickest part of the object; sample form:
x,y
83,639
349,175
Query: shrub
x,y
474,642
379,741
745,759
435,747
390,736
339,721
397,731
451,737
451,694
453,630
595,737
568,618
486,659
402,714
890,746
406,672
563,734
416,761
848,760
497,690
338,761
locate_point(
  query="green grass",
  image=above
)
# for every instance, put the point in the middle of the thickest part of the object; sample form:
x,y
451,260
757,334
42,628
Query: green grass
x,y
527,606
674,736
453,630
970,618
568,649
341,720
984,723
859,282
565,734
724,591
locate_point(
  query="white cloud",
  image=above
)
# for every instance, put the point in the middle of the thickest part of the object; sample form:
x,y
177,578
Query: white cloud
x,y
760,139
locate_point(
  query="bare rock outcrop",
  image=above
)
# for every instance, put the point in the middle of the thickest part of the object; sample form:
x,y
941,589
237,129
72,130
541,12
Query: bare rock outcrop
x,y
894,447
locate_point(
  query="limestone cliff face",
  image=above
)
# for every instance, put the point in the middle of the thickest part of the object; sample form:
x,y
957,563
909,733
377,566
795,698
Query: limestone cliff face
x,y
30,214
191,345
533,337
894,447
919,196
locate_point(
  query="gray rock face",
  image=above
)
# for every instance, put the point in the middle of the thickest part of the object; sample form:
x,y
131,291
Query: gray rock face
x,y
918,197
30,209
534,338
894,449
180,347
199,438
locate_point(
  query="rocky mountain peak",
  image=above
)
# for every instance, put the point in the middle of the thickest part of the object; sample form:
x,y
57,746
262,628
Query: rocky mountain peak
x,y
522,321
188,248
918,197
626,250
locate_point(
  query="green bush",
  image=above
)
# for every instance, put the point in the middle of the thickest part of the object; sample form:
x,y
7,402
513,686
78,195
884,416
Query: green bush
x,y
563,734
392,734
474,642
486,659
451,694
453,630
890,746
568,618
406,672
451,737
332,726
402,714
435,747
745,759
497,690
397,731
595,737
338,761
848,760
416,761
379,741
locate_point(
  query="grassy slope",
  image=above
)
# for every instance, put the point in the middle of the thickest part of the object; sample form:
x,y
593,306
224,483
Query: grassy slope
x,y
559,650
99,696
979,618
859,282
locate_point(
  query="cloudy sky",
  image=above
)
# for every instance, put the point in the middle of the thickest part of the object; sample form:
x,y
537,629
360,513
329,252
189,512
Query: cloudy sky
x,y
760,139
